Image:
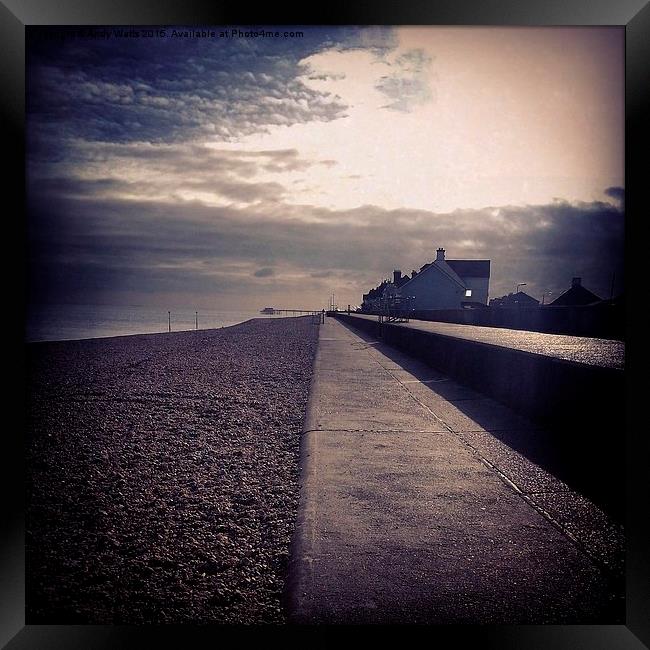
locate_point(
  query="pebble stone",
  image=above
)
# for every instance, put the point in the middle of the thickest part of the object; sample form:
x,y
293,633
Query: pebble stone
x,y
163,474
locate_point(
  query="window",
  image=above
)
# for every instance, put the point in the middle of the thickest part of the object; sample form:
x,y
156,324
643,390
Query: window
x,y
468,293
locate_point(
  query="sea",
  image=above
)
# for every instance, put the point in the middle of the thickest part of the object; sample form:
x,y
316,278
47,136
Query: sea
x,y
72,322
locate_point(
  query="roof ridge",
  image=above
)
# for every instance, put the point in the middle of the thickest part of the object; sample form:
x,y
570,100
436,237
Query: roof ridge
x,y
457,279
455,275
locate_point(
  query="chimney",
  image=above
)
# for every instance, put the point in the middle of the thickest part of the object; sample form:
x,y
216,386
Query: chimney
x,y
413,273
397,276
440,255
576,282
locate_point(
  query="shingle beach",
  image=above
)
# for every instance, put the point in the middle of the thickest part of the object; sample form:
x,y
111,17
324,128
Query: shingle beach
x,y
163,474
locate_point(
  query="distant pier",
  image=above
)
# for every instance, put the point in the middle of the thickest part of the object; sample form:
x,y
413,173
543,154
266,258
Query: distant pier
x,y
273,310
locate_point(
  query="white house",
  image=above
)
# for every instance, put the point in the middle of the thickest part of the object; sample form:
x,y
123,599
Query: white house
x,y
441,284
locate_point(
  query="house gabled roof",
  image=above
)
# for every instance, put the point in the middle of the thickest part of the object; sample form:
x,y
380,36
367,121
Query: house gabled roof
x,y
514,299
447,270
471,268
576,295
442,267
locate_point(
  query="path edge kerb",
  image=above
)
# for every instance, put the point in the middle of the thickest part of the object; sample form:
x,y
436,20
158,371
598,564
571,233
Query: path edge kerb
x,y
299,565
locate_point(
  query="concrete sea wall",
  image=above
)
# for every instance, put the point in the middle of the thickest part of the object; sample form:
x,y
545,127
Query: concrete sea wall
x,y
604,321
580,407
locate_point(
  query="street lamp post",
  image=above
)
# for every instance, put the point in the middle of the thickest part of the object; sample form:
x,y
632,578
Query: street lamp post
x,y
521,284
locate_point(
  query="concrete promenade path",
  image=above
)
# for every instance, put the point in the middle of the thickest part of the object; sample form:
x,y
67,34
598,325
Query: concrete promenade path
x,y
414,509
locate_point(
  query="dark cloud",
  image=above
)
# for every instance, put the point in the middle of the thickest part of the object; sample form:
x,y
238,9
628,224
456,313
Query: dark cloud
x,y
88,246
414,61
235,191
265,272
409,84
281,160
326,77
172,90
617,193
240,192
170,169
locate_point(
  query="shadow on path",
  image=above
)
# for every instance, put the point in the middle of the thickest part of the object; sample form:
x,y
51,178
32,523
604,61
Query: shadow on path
x,y
567,445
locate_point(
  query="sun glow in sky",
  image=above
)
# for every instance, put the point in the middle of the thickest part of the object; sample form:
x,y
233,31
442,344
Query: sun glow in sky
x,y
235,174
473,118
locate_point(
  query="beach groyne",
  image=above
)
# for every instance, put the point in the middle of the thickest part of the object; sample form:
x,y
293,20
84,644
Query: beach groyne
x,y
163,474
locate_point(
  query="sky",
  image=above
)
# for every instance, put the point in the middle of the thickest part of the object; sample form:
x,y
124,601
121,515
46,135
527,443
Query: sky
x,y
238,172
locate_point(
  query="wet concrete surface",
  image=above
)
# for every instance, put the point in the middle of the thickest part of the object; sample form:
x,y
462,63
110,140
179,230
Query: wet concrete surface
x,y
606,353
415,507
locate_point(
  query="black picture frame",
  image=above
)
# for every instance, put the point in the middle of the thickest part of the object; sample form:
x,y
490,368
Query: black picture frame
x,y
634,15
